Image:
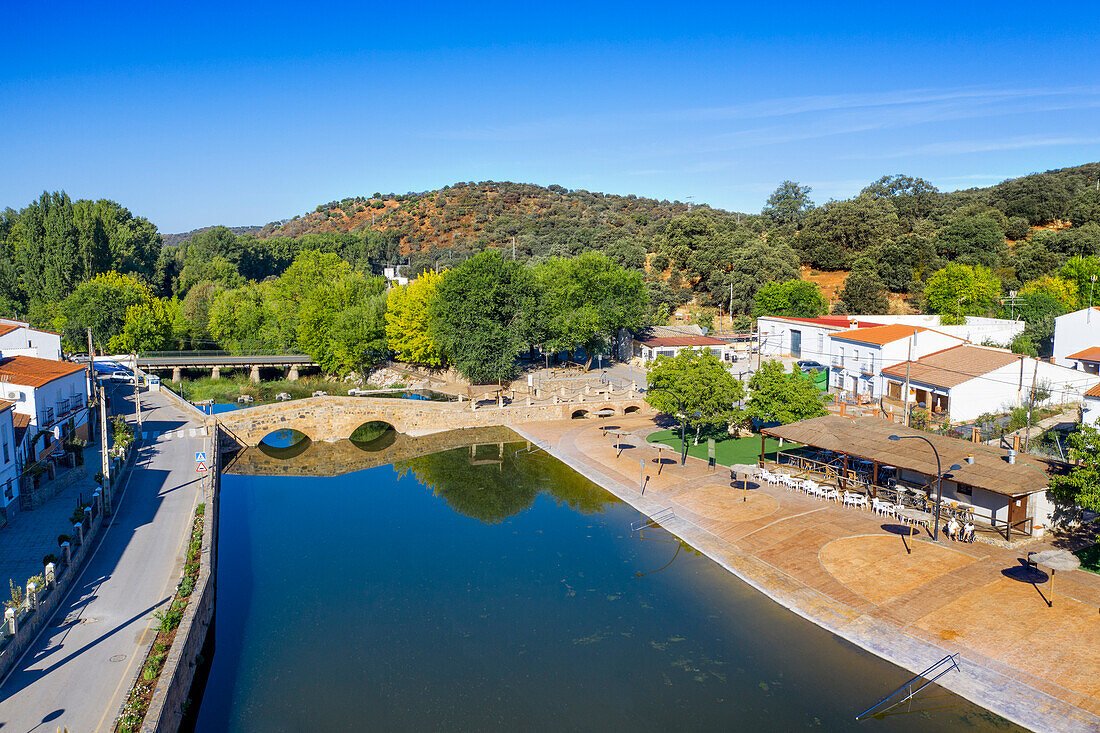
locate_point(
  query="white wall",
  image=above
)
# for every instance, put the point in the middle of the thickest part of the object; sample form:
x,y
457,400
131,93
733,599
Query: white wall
x,y
8,465
880,357
976,330
1090,415
1074,332
775,338
35,402
30,342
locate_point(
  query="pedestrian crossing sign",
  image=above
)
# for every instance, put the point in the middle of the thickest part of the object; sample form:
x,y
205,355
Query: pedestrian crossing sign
x,y
200,456
201,467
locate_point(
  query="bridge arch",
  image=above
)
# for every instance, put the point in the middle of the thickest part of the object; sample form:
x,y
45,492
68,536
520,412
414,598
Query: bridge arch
x,y
284,443
373,435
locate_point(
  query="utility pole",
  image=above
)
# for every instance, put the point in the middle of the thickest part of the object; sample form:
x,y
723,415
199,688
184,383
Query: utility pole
x,y
513,248
105,460
1031,404
908,362
137,393
731,306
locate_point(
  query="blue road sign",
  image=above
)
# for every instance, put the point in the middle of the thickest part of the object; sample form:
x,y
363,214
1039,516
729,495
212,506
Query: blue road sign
x,y
200,456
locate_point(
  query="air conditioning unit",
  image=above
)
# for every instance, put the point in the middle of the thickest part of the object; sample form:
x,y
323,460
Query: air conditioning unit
x,y
15,396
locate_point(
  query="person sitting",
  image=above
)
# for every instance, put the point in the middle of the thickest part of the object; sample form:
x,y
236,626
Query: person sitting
x,y
953,529
968,532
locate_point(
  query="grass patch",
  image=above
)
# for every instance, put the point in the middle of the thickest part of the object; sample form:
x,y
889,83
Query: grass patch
x,y
727,451
228,389
1090,558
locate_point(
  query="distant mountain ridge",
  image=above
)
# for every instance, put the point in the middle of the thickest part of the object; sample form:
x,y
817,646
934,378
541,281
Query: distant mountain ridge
x,y
491,213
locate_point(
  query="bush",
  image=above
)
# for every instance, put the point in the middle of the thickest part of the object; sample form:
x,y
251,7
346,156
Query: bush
x,y
47,559
62,539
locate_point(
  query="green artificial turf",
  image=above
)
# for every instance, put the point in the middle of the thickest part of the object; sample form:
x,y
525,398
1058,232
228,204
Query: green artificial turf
x,y
1090,558
727,451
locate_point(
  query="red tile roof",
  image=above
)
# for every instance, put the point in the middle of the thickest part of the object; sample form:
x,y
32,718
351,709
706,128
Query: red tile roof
x,y
1094,391
952,367
878,335
1092,353
834,321
682,341
31,371
6,328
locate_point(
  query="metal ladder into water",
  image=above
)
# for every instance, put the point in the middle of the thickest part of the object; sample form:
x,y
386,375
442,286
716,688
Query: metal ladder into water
x,y
939,669
661,516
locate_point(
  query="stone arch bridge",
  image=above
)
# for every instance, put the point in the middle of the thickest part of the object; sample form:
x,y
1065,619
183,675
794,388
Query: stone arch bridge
x,y
334,418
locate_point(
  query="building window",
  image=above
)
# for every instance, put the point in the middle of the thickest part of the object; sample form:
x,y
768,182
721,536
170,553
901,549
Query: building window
x,y
893,389
7,450
964,490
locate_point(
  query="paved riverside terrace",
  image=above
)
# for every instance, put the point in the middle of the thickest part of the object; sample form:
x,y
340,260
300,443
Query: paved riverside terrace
x,y
847,570
78,672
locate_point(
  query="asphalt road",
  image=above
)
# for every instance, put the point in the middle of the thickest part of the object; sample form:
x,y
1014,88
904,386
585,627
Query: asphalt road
x,y
79,670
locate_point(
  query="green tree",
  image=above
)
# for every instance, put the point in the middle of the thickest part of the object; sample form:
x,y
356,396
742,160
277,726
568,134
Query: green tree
x,y
788,204
960,290
856,225
863,292
408,326
342,325
241,320
150,326
1081,486
102,304
779,396
793,298
707,390
587,300
50,258
1085,208
482,316
1061,289
1083,270
752,267
973,240
195,310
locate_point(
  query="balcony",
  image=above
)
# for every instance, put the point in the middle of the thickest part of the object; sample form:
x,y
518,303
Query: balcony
x,y
867,367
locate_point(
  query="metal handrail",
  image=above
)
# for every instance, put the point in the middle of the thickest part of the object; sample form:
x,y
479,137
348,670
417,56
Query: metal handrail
x,y
954,666
661,516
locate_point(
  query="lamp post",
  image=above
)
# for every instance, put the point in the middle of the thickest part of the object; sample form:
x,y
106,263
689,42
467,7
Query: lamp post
x,y
939,479
683,421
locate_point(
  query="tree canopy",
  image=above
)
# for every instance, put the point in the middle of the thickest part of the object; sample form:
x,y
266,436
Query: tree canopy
x,y
707,391
779,396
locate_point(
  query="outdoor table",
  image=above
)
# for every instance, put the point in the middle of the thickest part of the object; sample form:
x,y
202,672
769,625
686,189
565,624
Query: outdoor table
x,y
1055,560
916,516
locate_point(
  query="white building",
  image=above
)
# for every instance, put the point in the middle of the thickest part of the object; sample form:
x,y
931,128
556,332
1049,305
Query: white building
x,y
1090,407
860,355
393,274
803,338
1074,334
807,338
52,396
9,467
647,347
963,382
17,338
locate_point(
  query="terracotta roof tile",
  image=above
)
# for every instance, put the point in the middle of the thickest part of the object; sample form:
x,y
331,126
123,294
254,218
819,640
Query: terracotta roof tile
x,y
951,367
1093,391
31,371
878,335
1092,353
6,328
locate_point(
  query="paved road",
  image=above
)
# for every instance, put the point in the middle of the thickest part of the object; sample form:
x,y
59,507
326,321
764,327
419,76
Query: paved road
x,y
78,672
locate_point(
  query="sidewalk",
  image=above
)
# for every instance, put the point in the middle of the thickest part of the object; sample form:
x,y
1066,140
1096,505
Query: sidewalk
x,y
32,534
849,571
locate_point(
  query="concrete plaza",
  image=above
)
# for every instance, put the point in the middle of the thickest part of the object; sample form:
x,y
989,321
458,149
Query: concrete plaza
x,y
850,571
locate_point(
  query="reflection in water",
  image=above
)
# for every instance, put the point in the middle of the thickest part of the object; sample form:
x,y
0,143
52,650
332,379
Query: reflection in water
x,y
492,483
374,436
285,444
372,601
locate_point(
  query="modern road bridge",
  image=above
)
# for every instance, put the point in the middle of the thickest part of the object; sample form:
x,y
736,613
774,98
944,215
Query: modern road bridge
x,y
216,361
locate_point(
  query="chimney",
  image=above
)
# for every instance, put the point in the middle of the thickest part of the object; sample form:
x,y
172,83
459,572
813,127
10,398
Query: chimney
x,y
1011,455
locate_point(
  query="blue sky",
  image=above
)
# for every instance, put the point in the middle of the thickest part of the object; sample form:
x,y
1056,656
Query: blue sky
x,y
242,114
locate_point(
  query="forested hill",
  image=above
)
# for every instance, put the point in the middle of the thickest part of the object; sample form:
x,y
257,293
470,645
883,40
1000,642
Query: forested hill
x,y
473,216
173,240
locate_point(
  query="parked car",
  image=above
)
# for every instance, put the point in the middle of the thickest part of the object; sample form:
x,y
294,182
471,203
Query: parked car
x,y
807,365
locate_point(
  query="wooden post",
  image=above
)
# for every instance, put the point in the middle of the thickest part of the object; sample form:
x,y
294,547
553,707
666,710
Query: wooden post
x,y
975,434
763,445
844,483
874,481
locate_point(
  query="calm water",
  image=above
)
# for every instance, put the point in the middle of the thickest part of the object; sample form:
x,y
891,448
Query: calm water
x,y
460,592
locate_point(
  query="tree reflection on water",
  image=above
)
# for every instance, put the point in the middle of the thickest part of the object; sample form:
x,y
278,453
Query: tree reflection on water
x,y
491,483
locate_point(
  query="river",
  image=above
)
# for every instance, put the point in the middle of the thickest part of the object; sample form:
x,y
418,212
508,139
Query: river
x,y
484,590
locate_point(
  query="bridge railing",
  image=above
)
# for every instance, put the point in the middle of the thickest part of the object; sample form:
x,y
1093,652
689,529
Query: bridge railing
x,y
216,352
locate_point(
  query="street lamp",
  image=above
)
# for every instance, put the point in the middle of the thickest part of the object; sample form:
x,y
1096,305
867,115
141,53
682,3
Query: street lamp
x,y
939,478
683,421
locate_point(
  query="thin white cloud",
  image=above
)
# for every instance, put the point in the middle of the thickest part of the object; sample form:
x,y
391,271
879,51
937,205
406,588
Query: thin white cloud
x,y
968,147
